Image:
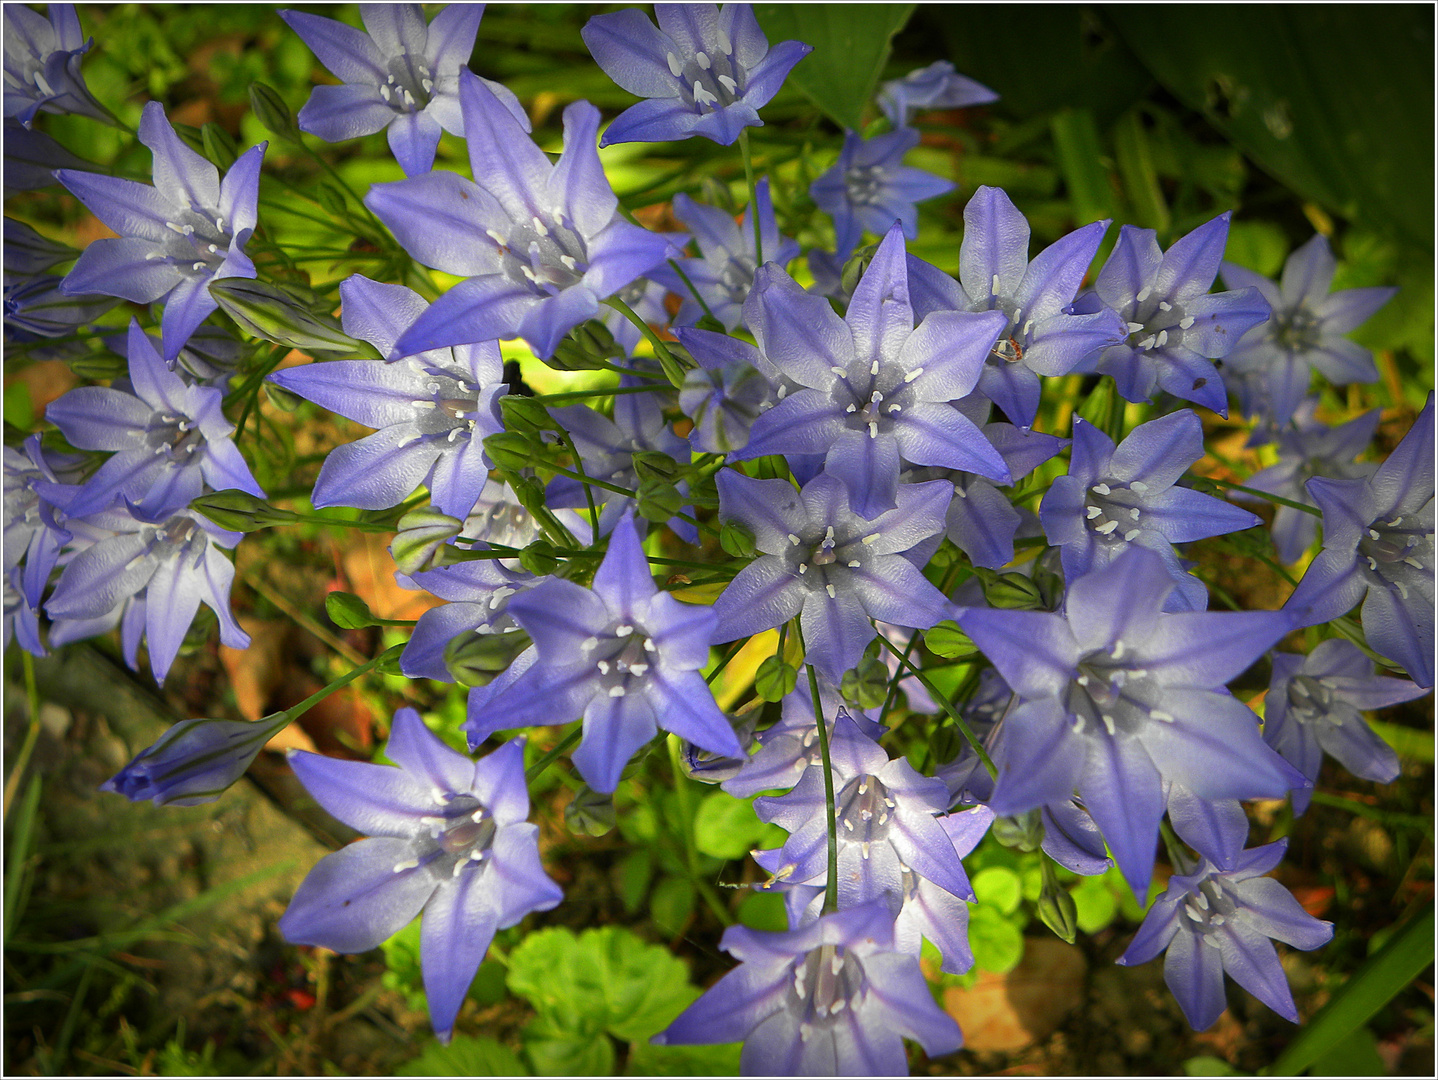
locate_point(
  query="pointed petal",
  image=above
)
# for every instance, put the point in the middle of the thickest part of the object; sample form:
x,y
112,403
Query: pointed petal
x,y
1038,756
763,595
458,926
375,799
995,245
353,899
938,434
614,729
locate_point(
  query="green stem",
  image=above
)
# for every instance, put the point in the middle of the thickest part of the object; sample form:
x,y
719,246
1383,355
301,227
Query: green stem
x,y
831,887
674,265
1279,499
753,196
568,444
733,652
581,395
32,732
673,369
943,700
532,773
314,699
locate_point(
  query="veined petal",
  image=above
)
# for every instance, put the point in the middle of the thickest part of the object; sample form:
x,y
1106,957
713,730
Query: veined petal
x,y
171,600
656,119
560,615
836,632
240,192
614,729
931,433
514,170
122,267
1123,792
1034,651
1213,748
1130,267
413,139
684,704
1194,974
763,595
770,508
350,54
1159,452
805,422
577,182
995,246
879,315
441,219
1191,263
1039,758
1348,309
378,471
354,899
450,38
375,394
893,590
178,170
632,52
1252,961
1308,273
479,309
422,754
458,926
950,347
1052,280
868,465
797,332
374,799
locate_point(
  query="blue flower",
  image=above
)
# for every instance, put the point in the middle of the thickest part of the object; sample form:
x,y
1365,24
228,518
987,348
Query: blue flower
x,y
869,188
175,238
937,86
1043,337
22,618
1306,329
1315,705
832,998
706,70
539,243
34,526
31,158
1378,548
478,593
432,409
1118,698
724,273
402,76
1175,328
195,761
1114,497
171,439
42,64
447,836
873,387
147,576
1218,918
824,563
623,655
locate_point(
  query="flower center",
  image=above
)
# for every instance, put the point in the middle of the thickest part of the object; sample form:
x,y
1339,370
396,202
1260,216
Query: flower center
x,y
460,835
1155,323
1296,330
546,257
863,811
409,85
1398,552
1308,699
708,81
451,411
621,653
1112,510
864,184
177,437
827,980
200,241
1099,698
1209,906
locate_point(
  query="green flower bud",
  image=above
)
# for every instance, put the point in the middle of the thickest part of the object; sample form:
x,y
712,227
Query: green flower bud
x,y
588,347
219,147
716,192
423,536
1011,590
589,813
736,540
348,611
525,415
99,366
389,661
280,398
775,679
1056,906
539,558
1023,831
239,511
656,465
273,113
658,500
856,266
275,314
509,450
948,641
474,659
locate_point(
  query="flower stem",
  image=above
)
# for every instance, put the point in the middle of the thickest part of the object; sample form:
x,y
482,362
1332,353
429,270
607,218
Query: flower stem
x,y
831,887
532,773
753,197
32,732
674,265
673,369
339,684
1279,499
939,696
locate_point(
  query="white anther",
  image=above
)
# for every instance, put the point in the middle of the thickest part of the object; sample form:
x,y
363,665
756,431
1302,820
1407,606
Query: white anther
x,y
649,646
728,84
408,864
1396,522
994,284
829,535
851,408
1139,486
427,85
1108,723
1103,489
1133,513
455,433
911,376
1082,680
863,787
197,266
1186,323
848,825
1164,305
702,96
212,249
638,669
1107,527
540,227
425,404
872,538
1373,533
837,370
830,590
42,85
675,67
501,241
803,568
589,644
863,853
874,368
384,92
876,397
701,60
1411,561
152,255
960,492
567,261
1161,339
854,564
1118,648
1093,512
603,667
623,630
1078,723
1160,715
1372,563
1402,589
1028,326
1134,327
1131,534
616,691
723,39
1144,293
176,228
1147,343
873,429
892,409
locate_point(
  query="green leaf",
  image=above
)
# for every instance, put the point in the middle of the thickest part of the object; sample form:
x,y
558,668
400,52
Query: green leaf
x,y
1377,982
726,827
1095,903
763,911
948,641
466,1055
998,887
557,1051
631,876
997,943
1260,246
1080,161
721,1059
604,980
775,679
851,46
1206,1065
670,904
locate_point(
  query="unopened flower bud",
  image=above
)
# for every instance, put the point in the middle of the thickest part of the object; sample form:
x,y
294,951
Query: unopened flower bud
x,y
348,611
867,686
219,147
508,449
275,314
273,113
856,267
775,679
655,465
1023,831
99,366
1056,906
239,511
1012,590
525,415
474,659
424,534
589,346
195,761
590,813
658,500
539,558
736,540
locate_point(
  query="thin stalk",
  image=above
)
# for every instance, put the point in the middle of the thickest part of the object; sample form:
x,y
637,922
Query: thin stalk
x,y
943,700
581,395
1279,499
753,196
532,773
831,887
674,264
673,369
568,443
733,652
314,699
32,732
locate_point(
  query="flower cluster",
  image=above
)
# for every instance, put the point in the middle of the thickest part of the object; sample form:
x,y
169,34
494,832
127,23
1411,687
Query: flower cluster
x,y
902,555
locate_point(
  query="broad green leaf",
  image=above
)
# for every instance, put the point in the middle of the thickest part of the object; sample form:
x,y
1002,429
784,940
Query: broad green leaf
x,y
670,904
763,911
721,1059
1260,246
997,943
998,887
556,1051
726,827
1095,903
1206,1065
1080,162
851,45
466,1055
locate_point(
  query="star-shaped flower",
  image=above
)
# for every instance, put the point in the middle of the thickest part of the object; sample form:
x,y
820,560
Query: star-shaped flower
x,y
42,64
706,70
175,238
937,86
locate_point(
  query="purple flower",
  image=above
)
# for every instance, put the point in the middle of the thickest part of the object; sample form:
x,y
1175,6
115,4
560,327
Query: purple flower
x,y
38,308
34,529
478,593
873,387
539,243
1118,698
175,238
937,86
22,618
1306,329
195,761
150,577
826,564
1378,548
623,655
1043,337
869,188
402,76
1315,704
1175,328
432,409
1115,497
724,272
833,998
706,70
171,439
42,64
31,158
1307,448
447,836
1220,918
726,393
